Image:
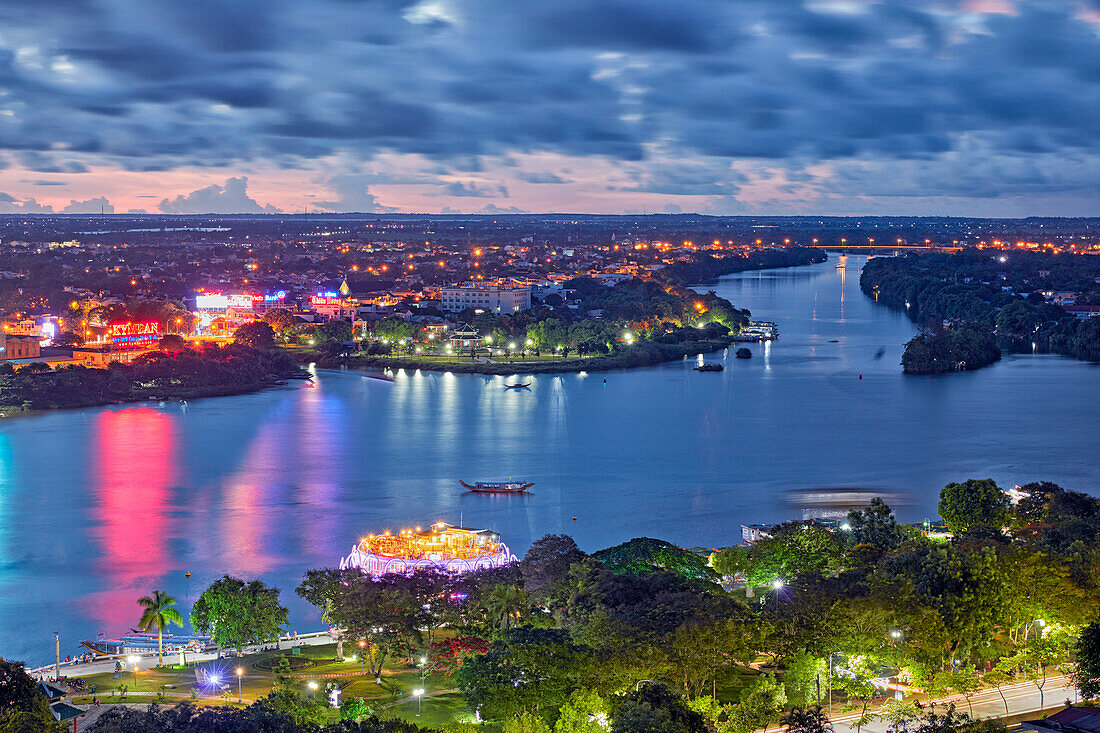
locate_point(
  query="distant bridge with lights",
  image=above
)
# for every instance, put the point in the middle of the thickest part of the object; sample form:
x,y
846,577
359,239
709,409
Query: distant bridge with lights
x,y
874,247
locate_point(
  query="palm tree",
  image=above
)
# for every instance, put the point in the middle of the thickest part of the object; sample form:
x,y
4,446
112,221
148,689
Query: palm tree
x,y
158,614
504,603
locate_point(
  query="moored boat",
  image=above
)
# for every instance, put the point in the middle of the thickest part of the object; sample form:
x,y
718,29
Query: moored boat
x,y
709,368
498,487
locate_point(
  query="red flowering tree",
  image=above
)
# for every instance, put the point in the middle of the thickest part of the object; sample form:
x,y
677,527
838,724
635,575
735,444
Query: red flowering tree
x,y
444,657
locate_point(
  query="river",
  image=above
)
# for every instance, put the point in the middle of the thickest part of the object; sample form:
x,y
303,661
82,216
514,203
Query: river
x,y
101,506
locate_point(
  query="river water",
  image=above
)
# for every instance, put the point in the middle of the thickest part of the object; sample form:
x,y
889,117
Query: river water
x,y
101,506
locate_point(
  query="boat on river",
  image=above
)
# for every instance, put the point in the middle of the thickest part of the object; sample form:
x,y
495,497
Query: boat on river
x,y
709,368
498,487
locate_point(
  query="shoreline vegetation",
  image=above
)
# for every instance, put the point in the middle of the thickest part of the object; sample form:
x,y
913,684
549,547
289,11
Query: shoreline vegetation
x,y
215,371
636,355
974,304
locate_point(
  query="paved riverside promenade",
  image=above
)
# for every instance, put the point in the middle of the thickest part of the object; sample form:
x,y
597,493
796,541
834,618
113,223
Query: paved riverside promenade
x,y
106,663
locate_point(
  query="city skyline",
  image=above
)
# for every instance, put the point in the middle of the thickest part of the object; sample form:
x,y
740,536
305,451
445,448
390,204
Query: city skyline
x,y
831,107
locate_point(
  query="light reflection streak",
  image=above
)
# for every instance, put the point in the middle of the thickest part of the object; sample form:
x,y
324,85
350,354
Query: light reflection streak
x,y
135,467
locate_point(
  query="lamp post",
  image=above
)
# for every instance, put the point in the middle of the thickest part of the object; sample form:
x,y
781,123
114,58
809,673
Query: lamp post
x,y
133,660
57,647
419,692
363,654
777,584
240,673
214,682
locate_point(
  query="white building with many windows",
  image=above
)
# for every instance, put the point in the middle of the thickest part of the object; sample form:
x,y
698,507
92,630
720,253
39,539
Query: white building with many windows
x,y
492,298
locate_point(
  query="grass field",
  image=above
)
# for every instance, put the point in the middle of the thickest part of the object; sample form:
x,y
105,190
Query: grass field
x,y
173,684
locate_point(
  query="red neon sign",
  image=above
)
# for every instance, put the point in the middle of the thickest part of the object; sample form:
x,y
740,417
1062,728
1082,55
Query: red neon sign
x,y
133,334
322,300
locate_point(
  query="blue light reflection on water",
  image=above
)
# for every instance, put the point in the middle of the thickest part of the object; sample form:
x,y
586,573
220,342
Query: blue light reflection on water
x,y
100,506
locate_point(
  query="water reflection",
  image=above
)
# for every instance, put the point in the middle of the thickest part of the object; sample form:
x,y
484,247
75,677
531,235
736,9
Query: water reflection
x,y
134,468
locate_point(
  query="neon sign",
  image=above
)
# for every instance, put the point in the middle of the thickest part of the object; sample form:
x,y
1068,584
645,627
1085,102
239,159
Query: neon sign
x,y
326,300
133,334
242,301
211,302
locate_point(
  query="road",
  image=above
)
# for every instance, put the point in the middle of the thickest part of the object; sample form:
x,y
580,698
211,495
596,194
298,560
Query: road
x,y
1022,697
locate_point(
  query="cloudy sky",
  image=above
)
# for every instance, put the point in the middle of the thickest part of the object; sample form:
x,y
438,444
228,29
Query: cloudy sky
x,y
982,107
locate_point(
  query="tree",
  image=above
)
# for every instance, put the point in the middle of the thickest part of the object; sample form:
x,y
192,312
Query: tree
x,y
546,565
68,339
333,331
645,556
386,614
875,528
236,613
504,605
1086,661
258,335
964,587
807,720
793,549
280,319
653,708
157,614
529,670
525,723
701,651
354,708
23,709
975,507
759,704
962,679
586,711
171,342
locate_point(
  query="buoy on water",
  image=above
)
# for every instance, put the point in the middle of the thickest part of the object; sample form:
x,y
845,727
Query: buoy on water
x,y
574,517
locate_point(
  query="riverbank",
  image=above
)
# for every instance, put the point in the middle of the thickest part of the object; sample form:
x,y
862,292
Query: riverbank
x,y
637,355
186,375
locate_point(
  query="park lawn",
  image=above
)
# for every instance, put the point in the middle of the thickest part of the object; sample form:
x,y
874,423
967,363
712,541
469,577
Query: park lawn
x,y
434,711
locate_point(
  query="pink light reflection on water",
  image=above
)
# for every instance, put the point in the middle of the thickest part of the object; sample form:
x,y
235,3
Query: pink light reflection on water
x,y
134,467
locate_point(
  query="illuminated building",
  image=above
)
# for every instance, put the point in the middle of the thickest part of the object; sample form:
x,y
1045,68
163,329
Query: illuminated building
x,y
492,298
442,547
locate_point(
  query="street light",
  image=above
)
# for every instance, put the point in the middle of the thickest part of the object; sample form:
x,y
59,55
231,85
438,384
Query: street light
x,y
777,584
215,681
363,654
133,660
240,673
419,692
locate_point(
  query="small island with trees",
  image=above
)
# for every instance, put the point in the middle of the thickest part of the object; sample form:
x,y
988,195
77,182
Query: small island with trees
x,y
975,303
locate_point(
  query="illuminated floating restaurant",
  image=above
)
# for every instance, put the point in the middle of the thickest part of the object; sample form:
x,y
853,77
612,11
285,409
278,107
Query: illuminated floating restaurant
x,y
443,547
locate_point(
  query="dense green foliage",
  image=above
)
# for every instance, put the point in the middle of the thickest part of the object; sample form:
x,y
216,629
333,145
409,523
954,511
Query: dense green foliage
x,y
706,268
23,709
235,613
187,374
958,349
975,507
984,291
644,555
260,717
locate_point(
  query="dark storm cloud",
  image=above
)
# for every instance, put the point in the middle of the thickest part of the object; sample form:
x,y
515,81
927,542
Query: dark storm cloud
x,y
155,84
